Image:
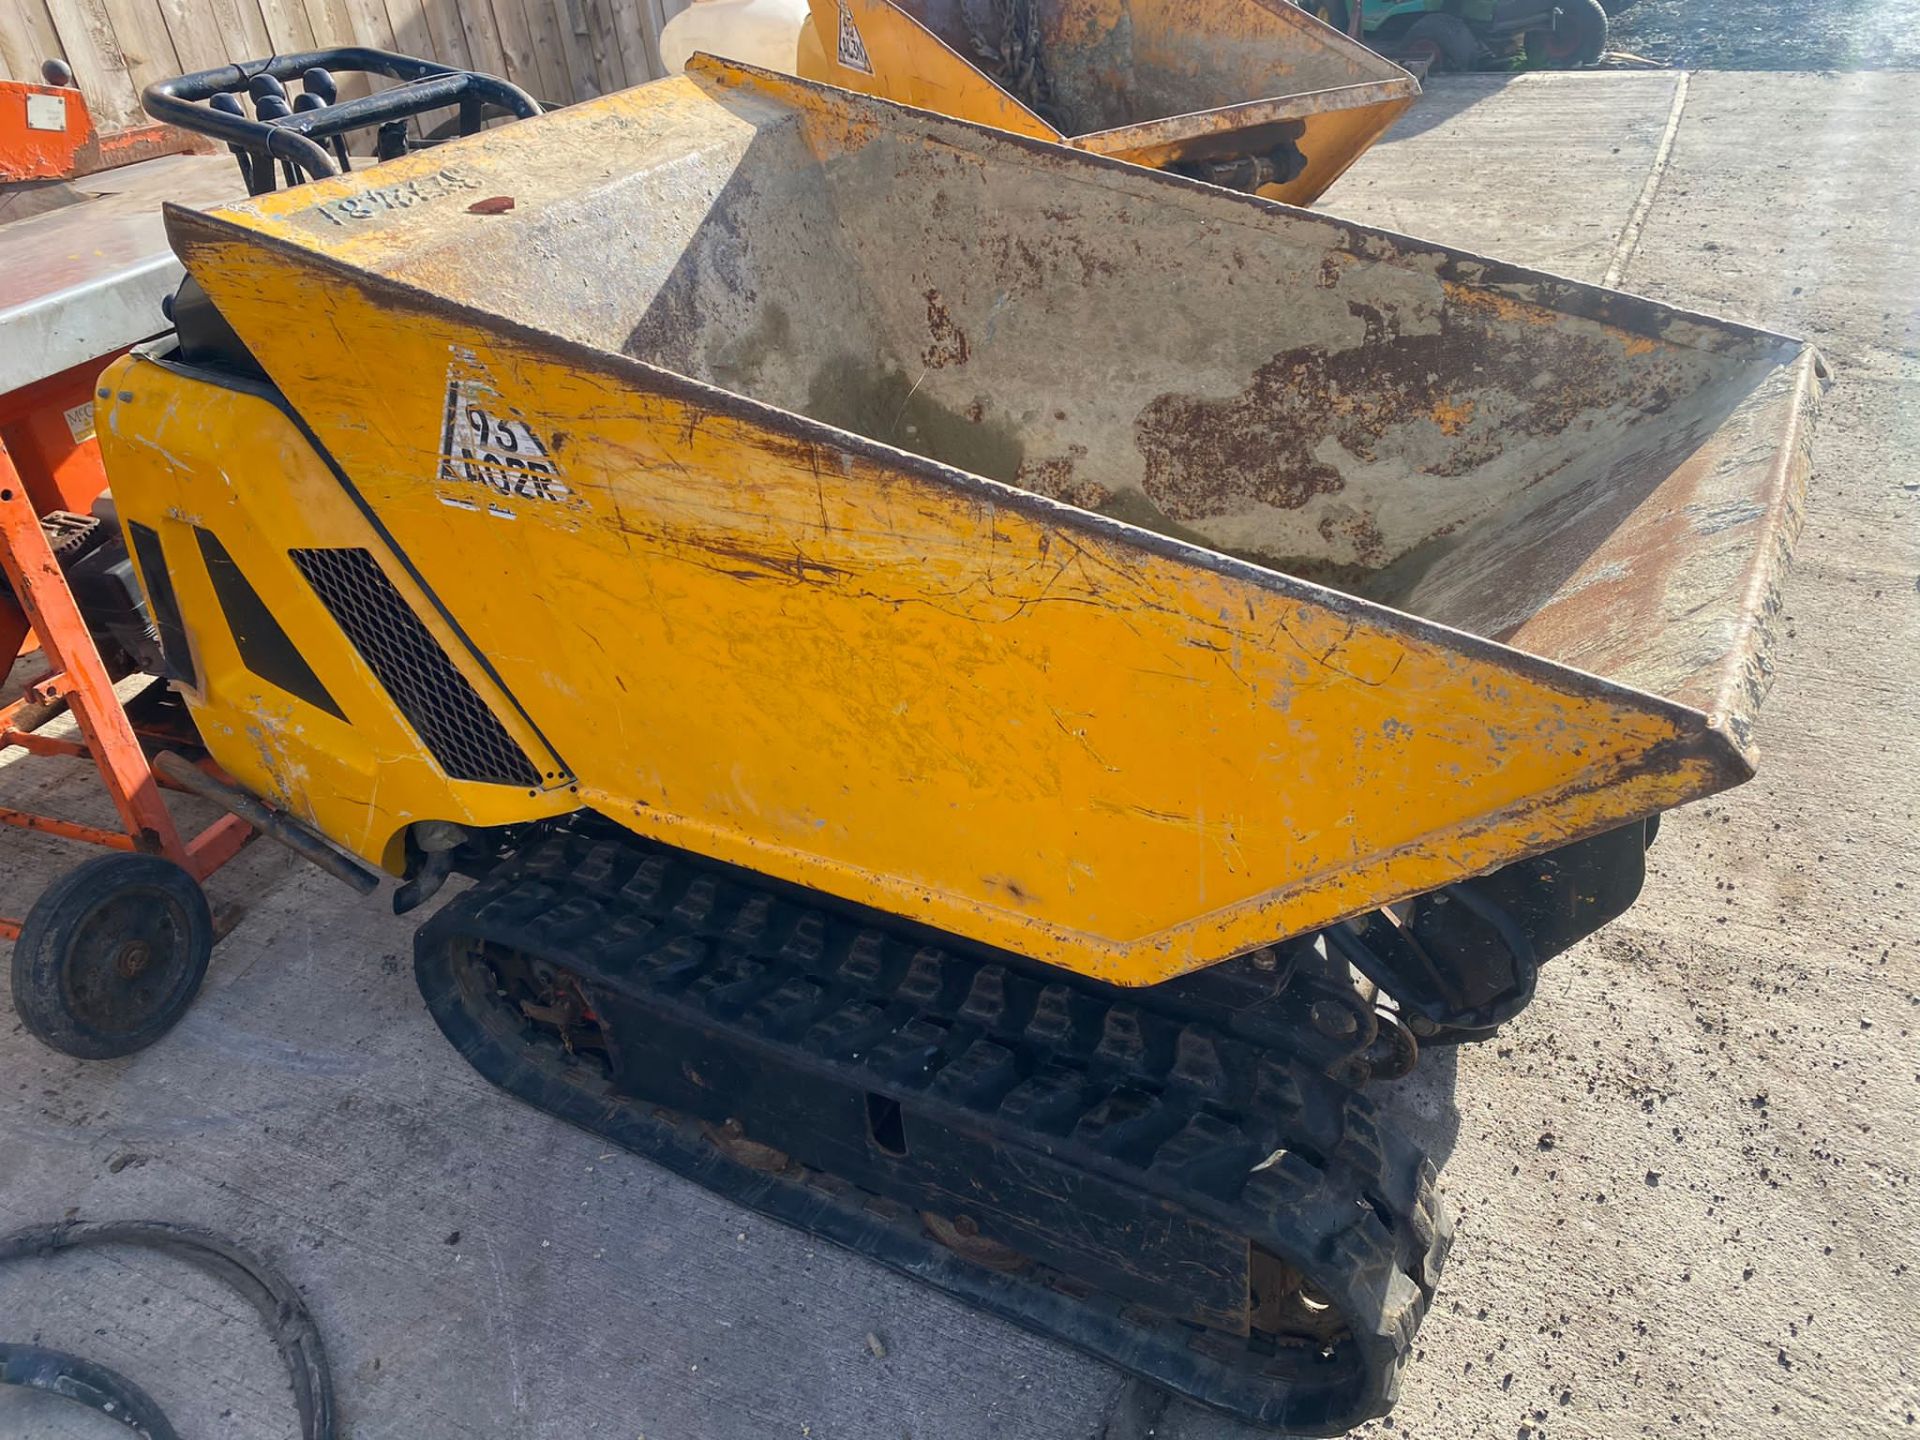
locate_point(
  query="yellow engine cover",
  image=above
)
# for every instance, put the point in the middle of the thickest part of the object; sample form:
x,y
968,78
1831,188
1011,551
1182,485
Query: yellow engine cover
x,y
231,490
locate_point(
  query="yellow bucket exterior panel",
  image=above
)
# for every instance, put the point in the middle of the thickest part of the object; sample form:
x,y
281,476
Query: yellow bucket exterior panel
x,y
188,456
1336,403
876,48
607,431
1127,62
846,667
1332,128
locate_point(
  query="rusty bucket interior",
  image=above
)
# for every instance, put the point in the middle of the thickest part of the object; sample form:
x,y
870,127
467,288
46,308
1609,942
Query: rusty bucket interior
x,y
1471,561
1202,83
1118,63
1602,481
1595,478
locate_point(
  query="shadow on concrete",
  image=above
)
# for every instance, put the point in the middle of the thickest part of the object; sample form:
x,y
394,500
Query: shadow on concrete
x,y
1422,1105
1441,98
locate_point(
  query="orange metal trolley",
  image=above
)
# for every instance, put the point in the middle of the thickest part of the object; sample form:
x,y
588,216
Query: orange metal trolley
x,y
116,947
47,476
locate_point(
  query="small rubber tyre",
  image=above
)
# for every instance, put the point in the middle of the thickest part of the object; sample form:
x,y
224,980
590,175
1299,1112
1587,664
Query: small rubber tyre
x,y
1329,12
1445,42
111,956
1579,39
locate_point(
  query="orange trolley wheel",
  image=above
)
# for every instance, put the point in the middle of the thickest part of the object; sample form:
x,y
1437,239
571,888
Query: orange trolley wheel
x,y
111,956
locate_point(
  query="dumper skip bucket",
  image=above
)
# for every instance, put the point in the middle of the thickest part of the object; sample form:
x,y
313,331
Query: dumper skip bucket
x,y
1085,560
1254,94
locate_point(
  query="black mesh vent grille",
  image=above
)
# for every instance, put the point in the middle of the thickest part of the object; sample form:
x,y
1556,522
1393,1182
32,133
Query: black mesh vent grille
x,y
449,716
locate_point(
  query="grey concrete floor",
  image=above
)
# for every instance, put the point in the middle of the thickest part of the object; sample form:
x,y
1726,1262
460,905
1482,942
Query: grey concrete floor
x,y
1684,1177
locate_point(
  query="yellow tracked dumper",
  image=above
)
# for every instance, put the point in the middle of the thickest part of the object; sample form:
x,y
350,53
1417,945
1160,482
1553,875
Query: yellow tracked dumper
x,y
986,692
1250,94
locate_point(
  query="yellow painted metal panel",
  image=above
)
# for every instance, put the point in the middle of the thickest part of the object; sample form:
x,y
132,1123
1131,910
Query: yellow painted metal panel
x,y
1337,127
1156,84
876,48
951,700
185,453
751,620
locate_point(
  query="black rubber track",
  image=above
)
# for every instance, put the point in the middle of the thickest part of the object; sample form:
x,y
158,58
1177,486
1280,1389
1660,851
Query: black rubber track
x,y
665,944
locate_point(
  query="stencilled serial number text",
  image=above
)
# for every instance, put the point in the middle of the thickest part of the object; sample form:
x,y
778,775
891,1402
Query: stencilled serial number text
x,y
371,203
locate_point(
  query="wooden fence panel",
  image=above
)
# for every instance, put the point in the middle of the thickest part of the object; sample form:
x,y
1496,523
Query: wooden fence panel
x,y
99,64
570,20
560,50
549,50
199,42
145,42
446,40
240,25
482,36
368,24
333,23
288,29
519,64
28,38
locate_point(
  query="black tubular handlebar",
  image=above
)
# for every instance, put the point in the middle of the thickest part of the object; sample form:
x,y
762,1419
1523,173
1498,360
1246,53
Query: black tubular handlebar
x,y
290,138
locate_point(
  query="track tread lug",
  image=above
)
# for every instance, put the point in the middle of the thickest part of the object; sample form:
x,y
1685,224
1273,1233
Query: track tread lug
x,y
1126,1122
698,902
925,979
596,871
978,1076
912,1054
1277,1088
643,888
752,921
1123,1042
866,960
1197,1065
788,1008
1052,1022
1208,1153
731,984
849,1029
1050,1101
986,1002
807,943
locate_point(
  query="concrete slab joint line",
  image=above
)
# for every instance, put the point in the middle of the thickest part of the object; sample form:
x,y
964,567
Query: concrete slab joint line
x,y
1630,235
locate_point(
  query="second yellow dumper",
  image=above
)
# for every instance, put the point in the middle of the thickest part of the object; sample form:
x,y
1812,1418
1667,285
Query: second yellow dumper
x,y
1251,94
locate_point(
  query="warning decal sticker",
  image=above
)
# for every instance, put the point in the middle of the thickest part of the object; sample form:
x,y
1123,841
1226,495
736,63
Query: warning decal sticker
x,y
853,50
487,442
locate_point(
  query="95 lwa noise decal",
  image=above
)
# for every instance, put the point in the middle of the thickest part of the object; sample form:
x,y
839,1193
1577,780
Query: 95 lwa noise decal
x,y
486,442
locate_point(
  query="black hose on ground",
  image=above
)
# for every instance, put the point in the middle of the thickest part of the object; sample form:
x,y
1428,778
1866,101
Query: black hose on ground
x,y
279,1305
85,1383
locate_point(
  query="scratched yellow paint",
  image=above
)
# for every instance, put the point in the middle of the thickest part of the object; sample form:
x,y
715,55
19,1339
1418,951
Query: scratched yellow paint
x,y
184,453
908,63
771,642
1333,139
